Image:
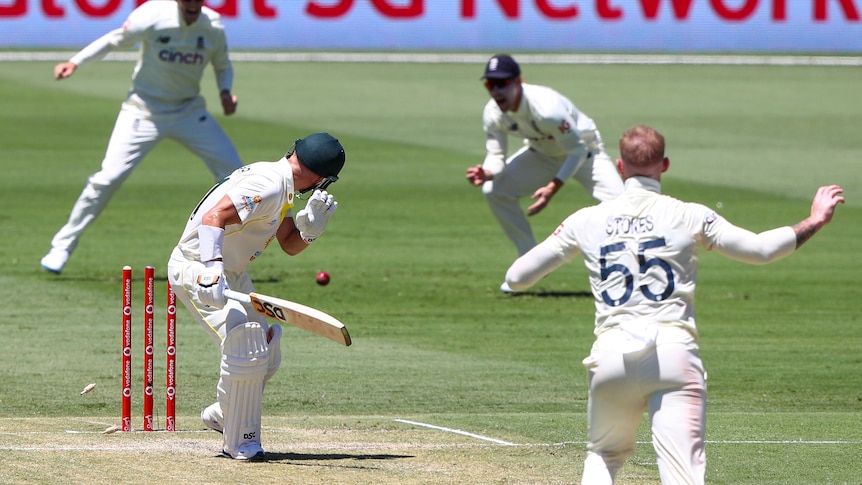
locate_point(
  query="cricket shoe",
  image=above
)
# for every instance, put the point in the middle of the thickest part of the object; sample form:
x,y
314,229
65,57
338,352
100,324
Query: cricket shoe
x,y
55,260
212,417
505,288
248,451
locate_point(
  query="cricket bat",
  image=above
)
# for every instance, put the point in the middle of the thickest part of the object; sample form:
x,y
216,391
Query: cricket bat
x,y
296,314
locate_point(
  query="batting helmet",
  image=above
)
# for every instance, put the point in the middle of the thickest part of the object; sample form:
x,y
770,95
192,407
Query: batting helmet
x,y
323,154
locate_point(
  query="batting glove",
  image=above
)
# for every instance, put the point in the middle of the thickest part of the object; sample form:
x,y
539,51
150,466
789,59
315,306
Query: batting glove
x,y
211,285
312,220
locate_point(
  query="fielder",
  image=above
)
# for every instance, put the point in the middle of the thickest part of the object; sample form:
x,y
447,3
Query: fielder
x,y
236,220
641,253
178,39
560,143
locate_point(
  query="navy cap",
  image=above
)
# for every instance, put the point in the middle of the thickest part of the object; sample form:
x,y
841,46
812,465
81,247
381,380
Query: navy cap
x,y
501,66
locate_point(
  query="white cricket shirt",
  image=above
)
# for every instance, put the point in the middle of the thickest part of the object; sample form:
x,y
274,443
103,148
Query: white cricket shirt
x,y
547,121
263,194
173,55
641,253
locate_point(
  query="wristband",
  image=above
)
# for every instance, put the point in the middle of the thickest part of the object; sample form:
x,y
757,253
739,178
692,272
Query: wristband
x,y
211,240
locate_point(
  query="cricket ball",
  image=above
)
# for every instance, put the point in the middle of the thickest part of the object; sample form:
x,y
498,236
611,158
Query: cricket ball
x,y
323,278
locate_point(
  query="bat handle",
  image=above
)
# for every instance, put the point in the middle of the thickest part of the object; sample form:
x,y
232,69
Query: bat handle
x,y
235,295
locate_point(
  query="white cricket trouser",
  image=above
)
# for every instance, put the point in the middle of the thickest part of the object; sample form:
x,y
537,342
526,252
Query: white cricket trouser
x,y
666,379
239,390
526,171
134,136
183,274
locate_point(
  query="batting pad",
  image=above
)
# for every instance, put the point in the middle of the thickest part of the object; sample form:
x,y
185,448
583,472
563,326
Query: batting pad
x,y
274,360
240,390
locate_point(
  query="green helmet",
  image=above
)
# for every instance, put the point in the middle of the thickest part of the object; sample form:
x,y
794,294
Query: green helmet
x,y
322,154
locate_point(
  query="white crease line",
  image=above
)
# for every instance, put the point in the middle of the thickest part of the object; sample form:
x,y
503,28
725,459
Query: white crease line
x,y
782,442
456,431
735,442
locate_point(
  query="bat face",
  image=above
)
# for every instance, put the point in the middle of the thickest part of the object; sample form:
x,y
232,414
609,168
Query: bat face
x,y
301,316
268,309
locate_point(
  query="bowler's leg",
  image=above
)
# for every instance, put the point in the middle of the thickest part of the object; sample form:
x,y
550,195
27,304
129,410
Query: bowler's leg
x,y
678,417
614,411
130,142
203,136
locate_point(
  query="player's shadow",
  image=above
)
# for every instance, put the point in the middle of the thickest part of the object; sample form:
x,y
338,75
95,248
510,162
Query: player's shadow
x,y
331,456
307,457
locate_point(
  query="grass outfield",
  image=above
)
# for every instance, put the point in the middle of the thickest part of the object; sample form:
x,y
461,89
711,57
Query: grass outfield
x,y
448,381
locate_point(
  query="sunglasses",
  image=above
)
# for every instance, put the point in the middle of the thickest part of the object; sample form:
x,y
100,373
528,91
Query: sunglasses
x,y
498,83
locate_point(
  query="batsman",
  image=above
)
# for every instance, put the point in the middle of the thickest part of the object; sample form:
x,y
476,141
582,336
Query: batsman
x,y
229,228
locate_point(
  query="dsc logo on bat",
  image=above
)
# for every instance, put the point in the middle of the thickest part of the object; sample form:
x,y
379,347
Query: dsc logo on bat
x,y
268,309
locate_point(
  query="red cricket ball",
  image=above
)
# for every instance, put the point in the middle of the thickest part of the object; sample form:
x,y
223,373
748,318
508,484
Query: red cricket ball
x,y
323,278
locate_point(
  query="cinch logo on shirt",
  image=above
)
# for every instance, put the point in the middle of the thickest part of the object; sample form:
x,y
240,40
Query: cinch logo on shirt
x,y
170,55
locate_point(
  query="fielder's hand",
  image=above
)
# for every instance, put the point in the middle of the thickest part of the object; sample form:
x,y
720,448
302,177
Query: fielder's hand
x,y
228,103
825,200
477,175
312,220
64,70
211,285
543,195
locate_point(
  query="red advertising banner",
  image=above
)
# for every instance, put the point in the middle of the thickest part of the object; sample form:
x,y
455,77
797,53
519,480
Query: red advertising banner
x,y
459,25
